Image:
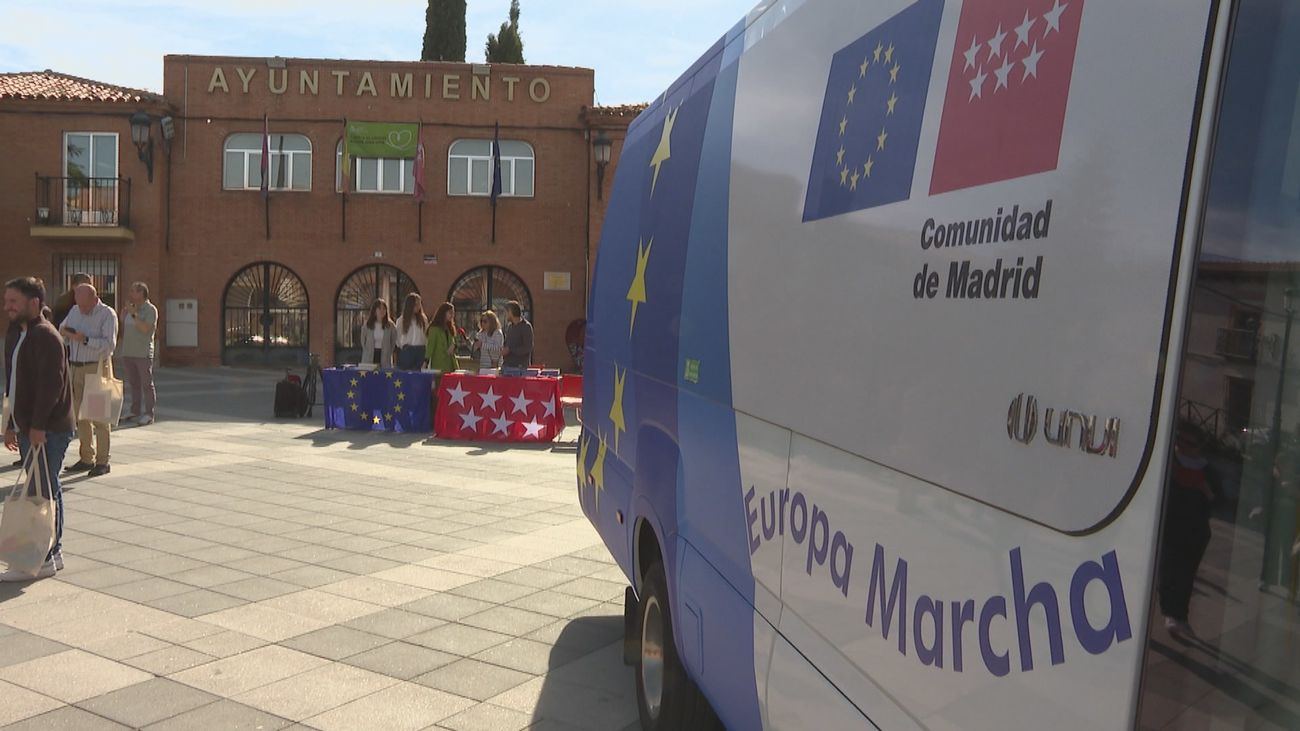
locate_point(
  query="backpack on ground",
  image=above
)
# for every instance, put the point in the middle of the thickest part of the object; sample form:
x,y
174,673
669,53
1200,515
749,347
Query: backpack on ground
x,y
290,398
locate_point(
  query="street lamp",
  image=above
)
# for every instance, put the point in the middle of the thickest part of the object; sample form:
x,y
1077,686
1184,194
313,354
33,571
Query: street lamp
x,y
140,135
603,148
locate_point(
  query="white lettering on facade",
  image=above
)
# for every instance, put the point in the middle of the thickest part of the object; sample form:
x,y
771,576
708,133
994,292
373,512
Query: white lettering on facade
x,y
218,81
399,85
540,90
283,86
308,82
246,77
450,86
339,76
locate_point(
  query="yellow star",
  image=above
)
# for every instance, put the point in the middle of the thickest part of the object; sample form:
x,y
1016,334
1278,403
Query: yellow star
x,y
355,407
377,420
401,397
844,123
844,176
582,460
388,375
889,53
862,70
352,395
598,467
398,383
839,156
889,105
893,74
664,150
636,293
355,382
616,410
880,139
388,416
397,408
876,55
853,92
854,184
866,167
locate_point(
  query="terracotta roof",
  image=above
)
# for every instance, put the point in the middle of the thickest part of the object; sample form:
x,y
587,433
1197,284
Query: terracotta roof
x,y
623,110
52,85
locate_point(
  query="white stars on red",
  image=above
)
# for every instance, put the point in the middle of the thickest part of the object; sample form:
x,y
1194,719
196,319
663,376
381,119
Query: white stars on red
x,y
1002,58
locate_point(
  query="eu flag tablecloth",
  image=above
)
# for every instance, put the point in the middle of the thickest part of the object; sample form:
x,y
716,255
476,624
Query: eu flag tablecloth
x,y
388,400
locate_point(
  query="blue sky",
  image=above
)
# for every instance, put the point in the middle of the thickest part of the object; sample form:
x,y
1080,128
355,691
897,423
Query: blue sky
x,y
637,47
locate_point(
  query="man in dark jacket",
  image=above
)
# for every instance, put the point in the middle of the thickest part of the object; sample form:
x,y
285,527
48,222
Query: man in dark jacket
x,y
40,395
518,350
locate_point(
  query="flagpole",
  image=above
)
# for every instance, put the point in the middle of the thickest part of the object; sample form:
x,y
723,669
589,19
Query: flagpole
x,y
496,176
266,174
345,171
419,175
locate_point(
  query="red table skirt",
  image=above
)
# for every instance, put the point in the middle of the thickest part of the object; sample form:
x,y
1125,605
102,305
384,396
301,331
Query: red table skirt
x,y
498,408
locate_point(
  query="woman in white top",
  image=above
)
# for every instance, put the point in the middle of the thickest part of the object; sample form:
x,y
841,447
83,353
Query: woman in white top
x,y
410,335
489,342
379,336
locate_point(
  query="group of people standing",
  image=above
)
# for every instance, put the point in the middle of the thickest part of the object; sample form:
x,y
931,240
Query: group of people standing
x,y
48,355
415,340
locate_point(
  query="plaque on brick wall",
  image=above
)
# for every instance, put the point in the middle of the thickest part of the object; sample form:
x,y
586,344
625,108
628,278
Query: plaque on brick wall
x,y
558,281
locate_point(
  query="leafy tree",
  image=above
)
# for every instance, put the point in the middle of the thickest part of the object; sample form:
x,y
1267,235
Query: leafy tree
x,y
506,46
444,31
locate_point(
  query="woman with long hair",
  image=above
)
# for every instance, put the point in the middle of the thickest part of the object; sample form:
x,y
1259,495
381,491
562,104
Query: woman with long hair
x,y
440,345
489,342
410,337
378,336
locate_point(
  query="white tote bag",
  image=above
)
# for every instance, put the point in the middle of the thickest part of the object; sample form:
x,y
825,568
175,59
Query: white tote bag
x,y
27,524
101,400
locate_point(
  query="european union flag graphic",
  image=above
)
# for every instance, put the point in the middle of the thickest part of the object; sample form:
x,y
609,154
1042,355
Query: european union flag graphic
x,y
399,401
871,116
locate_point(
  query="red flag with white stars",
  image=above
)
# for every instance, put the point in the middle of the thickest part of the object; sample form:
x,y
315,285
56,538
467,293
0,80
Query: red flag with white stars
x,y
1008,85
498,409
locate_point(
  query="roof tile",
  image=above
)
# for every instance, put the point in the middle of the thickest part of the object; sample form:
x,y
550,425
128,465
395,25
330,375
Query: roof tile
x,y
55,86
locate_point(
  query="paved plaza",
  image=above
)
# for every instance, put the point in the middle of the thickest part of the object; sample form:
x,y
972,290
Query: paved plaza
x,y
235,572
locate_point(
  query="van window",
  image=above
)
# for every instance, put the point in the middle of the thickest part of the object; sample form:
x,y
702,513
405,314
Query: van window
x,y
1225,633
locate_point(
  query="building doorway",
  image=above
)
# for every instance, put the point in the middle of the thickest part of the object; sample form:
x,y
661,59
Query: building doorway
x,y
488,288
352,305
265,317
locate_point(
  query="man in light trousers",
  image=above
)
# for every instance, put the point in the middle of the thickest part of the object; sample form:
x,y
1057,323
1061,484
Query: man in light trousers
x,y
136,352
91,332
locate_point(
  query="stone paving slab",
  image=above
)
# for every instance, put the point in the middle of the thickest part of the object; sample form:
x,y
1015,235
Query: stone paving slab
x,y
238,572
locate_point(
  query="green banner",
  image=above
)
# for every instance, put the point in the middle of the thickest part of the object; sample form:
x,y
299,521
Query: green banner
x,y
382,139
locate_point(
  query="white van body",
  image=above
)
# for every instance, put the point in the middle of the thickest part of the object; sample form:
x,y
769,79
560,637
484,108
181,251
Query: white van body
x,y
883,354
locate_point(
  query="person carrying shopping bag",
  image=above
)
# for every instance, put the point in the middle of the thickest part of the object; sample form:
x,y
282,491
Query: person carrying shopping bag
x,y
40,394
91,331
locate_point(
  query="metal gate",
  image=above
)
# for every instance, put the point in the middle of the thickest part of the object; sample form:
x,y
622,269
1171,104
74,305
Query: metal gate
x,y
265,317
352,306
487,288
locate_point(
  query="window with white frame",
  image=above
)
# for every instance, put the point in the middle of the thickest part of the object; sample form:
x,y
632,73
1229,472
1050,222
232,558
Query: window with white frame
x,y
290,164
376,175
469,168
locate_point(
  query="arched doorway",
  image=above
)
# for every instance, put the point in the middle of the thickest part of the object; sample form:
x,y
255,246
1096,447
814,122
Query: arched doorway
x,y
485,288
352,305
265,317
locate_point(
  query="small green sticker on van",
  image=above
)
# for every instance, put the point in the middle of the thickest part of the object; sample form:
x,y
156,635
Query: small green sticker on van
x,y
692,370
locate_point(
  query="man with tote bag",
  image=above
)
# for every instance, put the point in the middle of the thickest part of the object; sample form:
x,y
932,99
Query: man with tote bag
x,y
91,331
39,423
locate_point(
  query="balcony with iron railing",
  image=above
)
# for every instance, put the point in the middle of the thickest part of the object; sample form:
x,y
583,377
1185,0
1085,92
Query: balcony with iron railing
x,y
82,207
1237,344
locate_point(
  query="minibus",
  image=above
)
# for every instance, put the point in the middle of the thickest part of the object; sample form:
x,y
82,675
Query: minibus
x,y
939,370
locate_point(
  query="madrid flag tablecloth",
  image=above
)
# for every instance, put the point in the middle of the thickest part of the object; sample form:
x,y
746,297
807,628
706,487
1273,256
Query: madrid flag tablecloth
x,y
498,408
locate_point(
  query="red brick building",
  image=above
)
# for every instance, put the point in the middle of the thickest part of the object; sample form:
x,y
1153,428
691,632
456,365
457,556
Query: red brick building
x,y
247,279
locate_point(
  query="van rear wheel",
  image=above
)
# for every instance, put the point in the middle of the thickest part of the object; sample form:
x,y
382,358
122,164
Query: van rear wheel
x,y
667,697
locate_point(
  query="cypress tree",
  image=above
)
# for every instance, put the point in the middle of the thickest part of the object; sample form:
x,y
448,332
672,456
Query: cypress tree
x,y
444,31
506,46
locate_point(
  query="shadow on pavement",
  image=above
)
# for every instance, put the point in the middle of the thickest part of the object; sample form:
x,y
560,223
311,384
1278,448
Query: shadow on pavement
x,y
362,439
587,685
